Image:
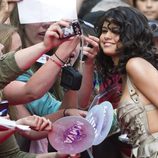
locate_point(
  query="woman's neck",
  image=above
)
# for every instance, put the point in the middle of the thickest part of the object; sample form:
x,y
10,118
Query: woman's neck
x,y
115,60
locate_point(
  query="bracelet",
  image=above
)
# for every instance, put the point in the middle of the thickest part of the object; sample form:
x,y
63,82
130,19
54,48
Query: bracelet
x,y
57,63
64,112
59,58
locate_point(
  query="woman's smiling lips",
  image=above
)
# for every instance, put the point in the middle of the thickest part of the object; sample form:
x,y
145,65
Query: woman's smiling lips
x,y
106,44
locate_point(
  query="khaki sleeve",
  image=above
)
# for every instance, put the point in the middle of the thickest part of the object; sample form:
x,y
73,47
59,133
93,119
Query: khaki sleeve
x,y
9,69
1,95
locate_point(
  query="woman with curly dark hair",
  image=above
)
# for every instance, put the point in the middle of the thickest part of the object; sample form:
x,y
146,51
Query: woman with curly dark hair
x,y
127,49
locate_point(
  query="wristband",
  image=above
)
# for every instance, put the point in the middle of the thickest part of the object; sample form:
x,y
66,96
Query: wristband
x,y
59,58
56,62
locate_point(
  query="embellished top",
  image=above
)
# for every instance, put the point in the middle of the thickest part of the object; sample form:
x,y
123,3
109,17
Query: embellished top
x,y
132,117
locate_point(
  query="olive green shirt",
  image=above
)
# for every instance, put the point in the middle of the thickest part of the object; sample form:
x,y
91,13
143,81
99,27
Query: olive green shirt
x,y
9,70
10,149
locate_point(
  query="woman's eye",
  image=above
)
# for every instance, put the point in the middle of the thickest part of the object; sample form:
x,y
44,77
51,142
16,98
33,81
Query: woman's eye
x,y
115,30
104,30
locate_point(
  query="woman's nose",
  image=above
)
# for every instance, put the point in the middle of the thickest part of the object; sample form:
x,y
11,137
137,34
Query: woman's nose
x,y
148,3
108,35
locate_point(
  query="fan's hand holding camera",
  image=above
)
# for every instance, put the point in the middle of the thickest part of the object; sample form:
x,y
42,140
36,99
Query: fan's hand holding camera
x,y
54,35
72,78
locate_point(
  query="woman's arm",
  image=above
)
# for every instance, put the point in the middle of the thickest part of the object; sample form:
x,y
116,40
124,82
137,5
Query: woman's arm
x,y
13,64
87,69
35,135
19,92
66,112
53,38
144,76
70,100
20,112
35,122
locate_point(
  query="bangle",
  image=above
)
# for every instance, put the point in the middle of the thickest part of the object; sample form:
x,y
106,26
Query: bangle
x,y
59,58
64,112
57,63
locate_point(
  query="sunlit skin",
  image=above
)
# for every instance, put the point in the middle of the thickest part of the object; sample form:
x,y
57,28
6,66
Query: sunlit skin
x,y
109,40
149,8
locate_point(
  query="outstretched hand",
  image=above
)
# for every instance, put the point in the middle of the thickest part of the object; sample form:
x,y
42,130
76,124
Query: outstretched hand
x,y
36,123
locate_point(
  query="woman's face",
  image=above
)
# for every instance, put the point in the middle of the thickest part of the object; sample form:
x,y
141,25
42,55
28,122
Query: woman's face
x,y
149,8
109,38
34,33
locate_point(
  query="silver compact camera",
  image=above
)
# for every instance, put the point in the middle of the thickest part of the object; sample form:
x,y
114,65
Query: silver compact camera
x,y
72,30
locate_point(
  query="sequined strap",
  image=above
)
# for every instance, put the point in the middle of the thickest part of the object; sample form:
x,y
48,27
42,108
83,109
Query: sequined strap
x,y
134,96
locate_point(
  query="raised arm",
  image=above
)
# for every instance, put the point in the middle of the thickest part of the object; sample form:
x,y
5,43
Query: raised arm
x,y
87,68
19,92
53,38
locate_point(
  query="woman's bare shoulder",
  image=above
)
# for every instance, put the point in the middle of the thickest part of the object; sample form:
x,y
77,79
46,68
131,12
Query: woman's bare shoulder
x,y
138,66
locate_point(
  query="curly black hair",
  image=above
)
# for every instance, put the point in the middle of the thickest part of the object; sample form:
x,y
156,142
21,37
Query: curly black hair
x,y
136,38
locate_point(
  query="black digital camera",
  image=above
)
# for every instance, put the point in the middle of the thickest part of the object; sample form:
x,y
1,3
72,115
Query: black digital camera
x,y
71,78
72,30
